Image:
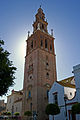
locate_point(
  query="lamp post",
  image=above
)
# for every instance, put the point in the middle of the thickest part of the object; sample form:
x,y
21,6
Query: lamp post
x,y
65,98
12,110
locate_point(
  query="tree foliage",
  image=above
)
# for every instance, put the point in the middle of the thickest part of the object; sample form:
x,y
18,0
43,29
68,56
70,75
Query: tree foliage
x,y
76,108
8,113
28,113
16,114
4,113
7,70
52,109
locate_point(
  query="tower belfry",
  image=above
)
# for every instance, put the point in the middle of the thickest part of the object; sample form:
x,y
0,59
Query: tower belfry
x,y
40,67
40,21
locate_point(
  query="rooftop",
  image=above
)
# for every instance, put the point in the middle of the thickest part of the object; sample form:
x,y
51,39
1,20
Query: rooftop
x,y
68,82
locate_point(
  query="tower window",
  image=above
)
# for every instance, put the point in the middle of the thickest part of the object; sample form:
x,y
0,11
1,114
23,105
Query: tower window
x,y
29,94
45,43
47,64
30,67
47,75
50,47
31,44
30,77
41,43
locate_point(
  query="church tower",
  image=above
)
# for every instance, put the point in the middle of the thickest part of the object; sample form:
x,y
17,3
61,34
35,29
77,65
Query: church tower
x,y
40,67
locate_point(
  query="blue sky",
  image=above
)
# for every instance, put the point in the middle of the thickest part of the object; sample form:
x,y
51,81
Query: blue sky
x,y
63,16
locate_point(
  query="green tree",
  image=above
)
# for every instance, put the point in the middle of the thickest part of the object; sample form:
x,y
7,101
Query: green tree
x,y
4,113
16,114
7,70
28,113
8,113
52,109
76,108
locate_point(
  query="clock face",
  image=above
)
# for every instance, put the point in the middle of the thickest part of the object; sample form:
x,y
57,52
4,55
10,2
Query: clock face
x,y
30,77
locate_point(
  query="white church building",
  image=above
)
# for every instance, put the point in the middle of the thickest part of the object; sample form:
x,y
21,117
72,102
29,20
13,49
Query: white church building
x,y
66,93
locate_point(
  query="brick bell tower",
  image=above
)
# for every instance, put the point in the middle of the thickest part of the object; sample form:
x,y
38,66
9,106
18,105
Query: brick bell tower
x,y
40,67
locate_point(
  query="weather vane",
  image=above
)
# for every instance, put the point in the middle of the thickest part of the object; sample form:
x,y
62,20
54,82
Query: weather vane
x,y
40,6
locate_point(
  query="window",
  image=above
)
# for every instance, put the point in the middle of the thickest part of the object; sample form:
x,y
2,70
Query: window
x,y
41,43
29,94
70,93
45,43
55,98
47,75
50,47
30,67
30,77
31,44
47,64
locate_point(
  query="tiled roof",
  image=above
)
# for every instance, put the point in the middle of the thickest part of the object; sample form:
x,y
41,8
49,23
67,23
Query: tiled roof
x,y
68,82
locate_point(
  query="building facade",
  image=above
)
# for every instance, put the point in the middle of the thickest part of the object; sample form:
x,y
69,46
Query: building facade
x,y
2,107
66,93
14,102
40,67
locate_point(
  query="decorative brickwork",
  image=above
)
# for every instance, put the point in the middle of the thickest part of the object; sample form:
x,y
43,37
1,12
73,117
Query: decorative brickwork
x,y
40,68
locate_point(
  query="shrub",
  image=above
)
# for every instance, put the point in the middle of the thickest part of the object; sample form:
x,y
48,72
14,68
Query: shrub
x,y
52,109
16,114
28,113
76,108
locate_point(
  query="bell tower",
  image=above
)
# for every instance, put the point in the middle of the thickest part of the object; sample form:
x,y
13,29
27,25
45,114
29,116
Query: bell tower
x,y
40,67
40,22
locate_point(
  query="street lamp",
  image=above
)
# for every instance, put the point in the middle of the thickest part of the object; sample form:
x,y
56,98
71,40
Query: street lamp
x,y
65,98
12,110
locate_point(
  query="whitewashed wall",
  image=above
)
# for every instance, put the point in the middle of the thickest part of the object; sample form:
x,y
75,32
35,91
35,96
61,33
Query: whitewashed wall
x,y
68,91
60,90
